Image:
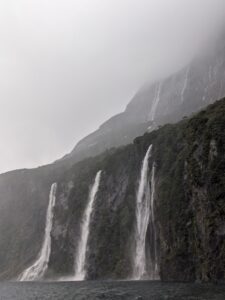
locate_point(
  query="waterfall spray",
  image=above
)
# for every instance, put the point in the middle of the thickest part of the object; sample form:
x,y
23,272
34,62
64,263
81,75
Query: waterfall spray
x,y
144,218
80,263
38,269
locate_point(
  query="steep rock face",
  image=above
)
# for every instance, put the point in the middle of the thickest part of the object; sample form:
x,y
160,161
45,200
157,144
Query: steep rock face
x,y
114,205
167,101
24,196
205,187
190,205
24,193
189,198
73,190
21,220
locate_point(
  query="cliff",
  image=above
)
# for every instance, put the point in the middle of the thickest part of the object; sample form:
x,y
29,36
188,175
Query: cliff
x,y
167,101
189,197
190,207
189,186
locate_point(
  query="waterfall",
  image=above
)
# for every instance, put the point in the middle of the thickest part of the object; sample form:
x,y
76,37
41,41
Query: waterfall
x,y
145,218
185,84
38,269
80,263
155,102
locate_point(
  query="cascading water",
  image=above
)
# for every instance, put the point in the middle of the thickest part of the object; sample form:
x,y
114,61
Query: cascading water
x,y
38,269
155,102
185,84
80,264
145,218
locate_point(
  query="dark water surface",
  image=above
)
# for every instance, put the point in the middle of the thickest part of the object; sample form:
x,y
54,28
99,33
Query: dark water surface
x,y
110,290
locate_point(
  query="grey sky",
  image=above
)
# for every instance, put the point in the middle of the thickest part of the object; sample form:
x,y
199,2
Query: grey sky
x,y
68,65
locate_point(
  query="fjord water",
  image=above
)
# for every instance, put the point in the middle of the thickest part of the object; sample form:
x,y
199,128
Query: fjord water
x,y
37,270
138,290
144,219
80,263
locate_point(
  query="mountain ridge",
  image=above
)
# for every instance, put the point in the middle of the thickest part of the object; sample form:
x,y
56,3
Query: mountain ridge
x,y
26,191
169,100
189,197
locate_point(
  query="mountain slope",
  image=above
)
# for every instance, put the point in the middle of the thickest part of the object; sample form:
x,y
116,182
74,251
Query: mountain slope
x,y
24,193
193,88
189,196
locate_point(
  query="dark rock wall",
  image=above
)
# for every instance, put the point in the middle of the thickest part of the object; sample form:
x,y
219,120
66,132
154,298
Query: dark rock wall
x,y
190,203
24,193
24,198
22,220
190,206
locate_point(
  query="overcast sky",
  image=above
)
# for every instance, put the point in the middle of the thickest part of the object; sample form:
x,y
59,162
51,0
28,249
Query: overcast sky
x,y
68,65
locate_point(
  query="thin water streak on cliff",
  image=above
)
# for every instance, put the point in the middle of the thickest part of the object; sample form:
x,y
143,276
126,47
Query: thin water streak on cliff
x,y
184,88
156,101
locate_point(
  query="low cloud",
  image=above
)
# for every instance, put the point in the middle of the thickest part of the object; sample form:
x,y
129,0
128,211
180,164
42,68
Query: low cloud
x,y
66,66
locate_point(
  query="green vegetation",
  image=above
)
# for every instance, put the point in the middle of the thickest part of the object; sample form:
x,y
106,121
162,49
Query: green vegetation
x,y
190,205
190,190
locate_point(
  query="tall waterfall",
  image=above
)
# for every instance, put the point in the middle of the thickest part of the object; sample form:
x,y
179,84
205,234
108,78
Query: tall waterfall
x,y
143,269
38,269
80,263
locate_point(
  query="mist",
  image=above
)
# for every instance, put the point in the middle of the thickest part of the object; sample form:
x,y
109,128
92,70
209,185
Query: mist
x,y
67,66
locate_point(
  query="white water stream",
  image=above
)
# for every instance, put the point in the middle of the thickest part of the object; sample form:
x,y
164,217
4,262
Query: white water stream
x,y
39,267
142,268
80,264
